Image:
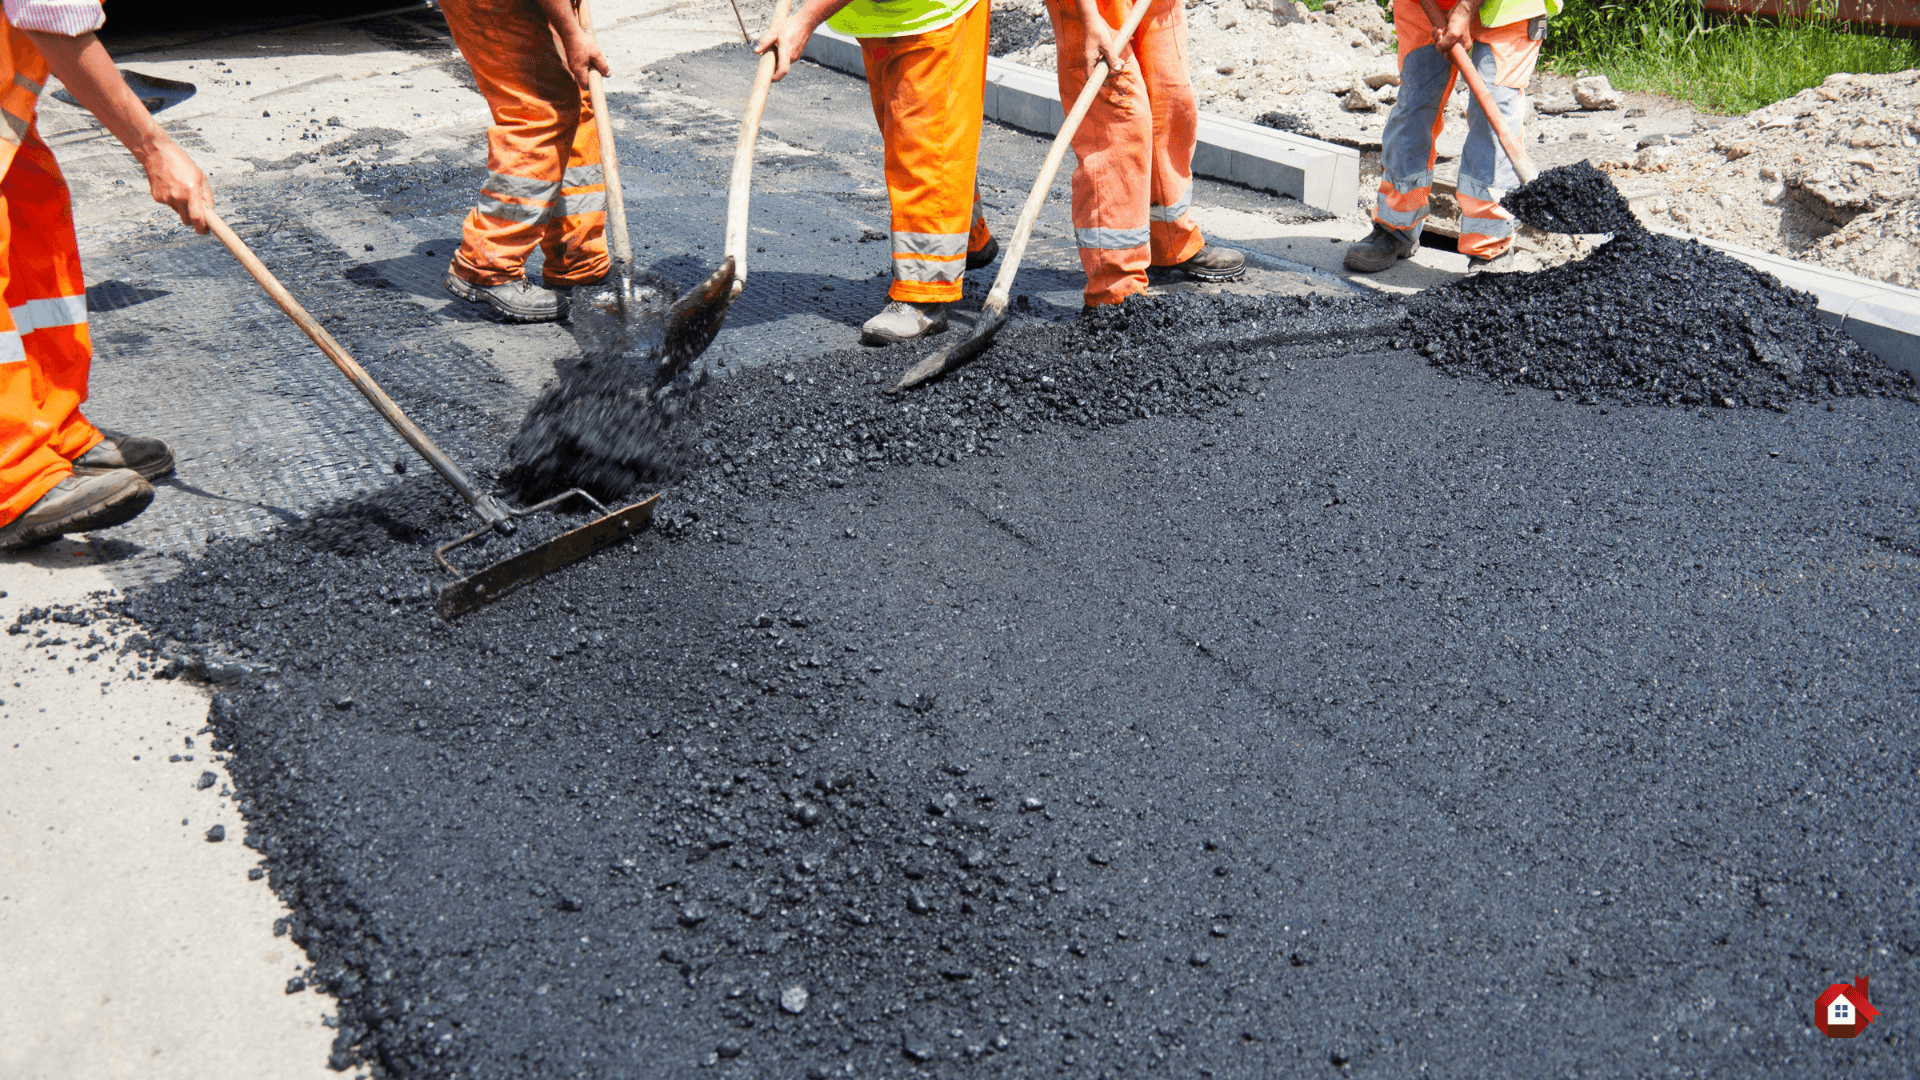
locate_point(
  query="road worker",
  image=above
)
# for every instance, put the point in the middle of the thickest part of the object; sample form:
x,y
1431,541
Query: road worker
x,y
926,66
543,186
1133,177
1503,38
59,473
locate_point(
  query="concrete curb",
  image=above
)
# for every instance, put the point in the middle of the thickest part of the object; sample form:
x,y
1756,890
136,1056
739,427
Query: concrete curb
x,y
1319,174
1883,318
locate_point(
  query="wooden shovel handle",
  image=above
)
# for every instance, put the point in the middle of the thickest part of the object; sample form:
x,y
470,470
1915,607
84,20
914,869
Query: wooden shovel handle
x,y
619,244
740,189
1463,62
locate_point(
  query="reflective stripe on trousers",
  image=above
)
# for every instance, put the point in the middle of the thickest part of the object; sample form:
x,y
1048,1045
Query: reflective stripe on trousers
x,y
1133,171
1505,60
45,350
543,186
929,94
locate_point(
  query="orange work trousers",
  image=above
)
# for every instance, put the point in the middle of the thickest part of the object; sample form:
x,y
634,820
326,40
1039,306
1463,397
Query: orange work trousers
x,y
929,95
1505,59
543,184
45,352
1133,176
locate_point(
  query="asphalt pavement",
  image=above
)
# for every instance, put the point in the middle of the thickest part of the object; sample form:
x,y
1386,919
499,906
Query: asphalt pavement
x,y
1226,692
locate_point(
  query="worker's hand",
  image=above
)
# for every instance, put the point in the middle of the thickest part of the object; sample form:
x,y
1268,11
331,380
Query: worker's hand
x,y
175,180
1100,44
787,41
583,55
1458,29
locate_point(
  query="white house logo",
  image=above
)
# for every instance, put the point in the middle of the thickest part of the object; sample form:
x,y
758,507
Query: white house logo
x,y
1842,1011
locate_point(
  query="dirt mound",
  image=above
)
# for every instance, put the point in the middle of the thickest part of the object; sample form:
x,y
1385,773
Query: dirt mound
x,y
1830,175
1648,319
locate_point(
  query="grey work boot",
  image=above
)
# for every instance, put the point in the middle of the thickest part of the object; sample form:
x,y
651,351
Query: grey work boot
x,y
1499,264
903,320
150,458
79,504
1213,264
519,300
1382,248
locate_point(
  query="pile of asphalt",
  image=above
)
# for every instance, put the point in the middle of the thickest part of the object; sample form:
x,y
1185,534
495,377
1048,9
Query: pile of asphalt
x,y
1141,697
1648,319
1575,198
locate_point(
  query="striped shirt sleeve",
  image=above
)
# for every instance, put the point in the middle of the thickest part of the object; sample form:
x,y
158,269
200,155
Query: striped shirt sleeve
x,y
69,17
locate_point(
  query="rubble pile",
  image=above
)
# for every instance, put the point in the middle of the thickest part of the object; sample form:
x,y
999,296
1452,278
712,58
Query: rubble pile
x,y
1830,176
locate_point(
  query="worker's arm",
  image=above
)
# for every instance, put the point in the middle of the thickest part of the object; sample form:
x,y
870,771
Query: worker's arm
x,y
1099,43
82,65
576,44
1458,29
789,39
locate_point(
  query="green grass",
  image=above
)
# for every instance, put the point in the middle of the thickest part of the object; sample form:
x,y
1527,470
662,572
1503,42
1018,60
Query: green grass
x,y
1722,65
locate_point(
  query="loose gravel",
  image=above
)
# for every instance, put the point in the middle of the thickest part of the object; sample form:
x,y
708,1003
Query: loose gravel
x,y
1202,687
1576,198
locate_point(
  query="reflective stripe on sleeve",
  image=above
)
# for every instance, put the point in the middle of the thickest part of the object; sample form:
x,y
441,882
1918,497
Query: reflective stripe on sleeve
x,y
933,245
940,270
11,350
1175,212
1111,239
31,87
49,313
506,211
12,128
581,202
519,187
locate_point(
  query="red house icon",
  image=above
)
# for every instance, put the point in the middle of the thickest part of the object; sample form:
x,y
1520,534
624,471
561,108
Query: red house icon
x,y
1842,1011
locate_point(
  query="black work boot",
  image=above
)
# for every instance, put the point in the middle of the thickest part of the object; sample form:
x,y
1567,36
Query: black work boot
x,y
1213,264
151,458
1382,248
988,252
79,504
518,300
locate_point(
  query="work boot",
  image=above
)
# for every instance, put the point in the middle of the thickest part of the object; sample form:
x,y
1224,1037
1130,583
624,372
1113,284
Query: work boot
x,y
1213,264
151,458
985,256
1498,264
1382,248
904,320
79,504
519,300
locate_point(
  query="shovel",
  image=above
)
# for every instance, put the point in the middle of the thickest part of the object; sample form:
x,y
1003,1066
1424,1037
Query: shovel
x,y
468,591
1463,63
993,314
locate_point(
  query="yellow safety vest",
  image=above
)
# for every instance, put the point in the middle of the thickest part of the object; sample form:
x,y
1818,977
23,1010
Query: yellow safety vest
x,y
1503,12
897,18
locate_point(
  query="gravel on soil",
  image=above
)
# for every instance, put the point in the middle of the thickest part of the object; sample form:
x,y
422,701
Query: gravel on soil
x,y
1114,705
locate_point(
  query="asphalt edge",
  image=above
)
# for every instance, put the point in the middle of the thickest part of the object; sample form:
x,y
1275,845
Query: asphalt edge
x,y
1319,174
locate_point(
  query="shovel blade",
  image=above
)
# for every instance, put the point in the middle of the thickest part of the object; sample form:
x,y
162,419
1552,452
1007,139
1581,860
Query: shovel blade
x,y
692,322
965,351
493,582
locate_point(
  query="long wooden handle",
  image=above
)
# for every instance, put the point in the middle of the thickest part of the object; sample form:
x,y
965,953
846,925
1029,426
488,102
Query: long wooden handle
x,y
619,244
483,504
1030,213
1463,62
740,189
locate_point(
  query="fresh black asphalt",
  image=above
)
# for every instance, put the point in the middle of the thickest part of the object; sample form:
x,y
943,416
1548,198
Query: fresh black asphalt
x,y
1209,689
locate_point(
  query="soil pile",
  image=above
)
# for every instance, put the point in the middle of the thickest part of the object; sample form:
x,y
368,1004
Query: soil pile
x,y
1830,175
1648,319
1576,198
